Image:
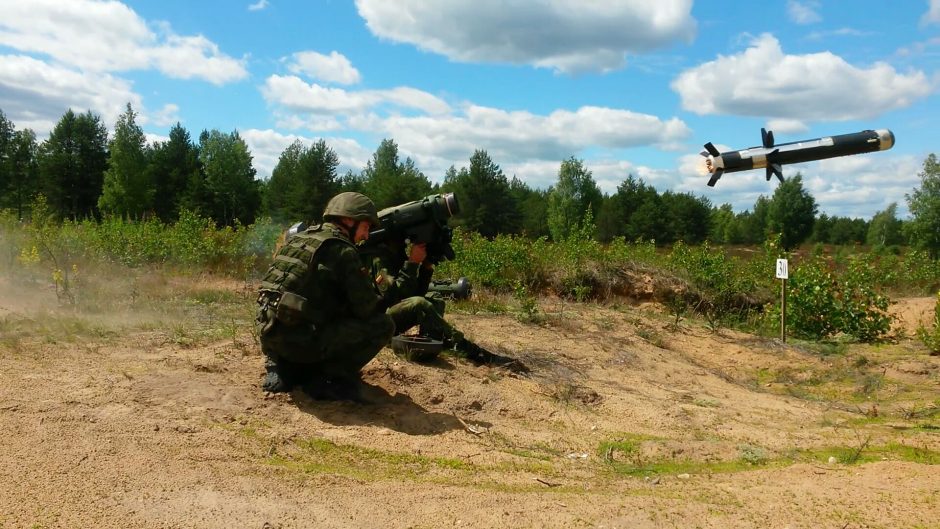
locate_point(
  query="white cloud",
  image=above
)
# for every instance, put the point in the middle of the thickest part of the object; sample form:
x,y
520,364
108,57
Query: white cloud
x,y
120,40
437,136
803,12
267,145
166,116
786,126
258,6
155,138
763,81
568,36
522,135
196,57
860,186
841,32
932,16
35,94
295,94
332,68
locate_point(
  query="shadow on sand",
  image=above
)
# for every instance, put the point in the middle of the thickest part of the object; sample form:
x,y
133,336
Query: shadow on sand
x,y
379,408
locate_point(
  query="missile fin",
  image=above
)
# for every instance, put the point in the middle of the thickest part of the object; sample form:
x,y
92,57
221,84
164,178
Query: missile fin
x,y
775,169
767,138
714,179
711,149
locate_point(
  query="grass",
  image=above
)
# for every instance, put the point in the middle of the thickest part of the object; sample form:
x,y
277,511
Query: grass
x,y
624,457
315,455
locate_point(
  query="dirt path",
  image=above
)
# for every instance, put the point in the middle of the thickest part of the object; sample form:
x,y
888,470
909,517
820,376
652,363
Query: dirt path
x,y
623,421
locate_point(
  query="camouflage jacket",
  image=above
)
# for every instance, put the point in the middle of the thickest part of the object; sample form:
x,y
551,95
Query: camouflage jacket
x,y
322,268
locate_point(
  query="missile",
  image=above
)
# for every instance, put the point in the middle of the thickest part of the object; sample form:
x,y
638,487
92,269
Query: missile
x,y
773,157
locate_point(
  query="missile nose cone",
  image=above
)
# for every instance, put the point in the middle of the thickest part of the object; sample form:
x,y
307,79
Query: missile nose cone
x,y
885,139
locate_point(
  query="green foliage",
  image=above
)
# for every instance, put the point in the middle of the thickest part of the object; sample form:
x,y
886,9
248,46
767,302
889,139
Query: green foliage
x,y
572,197
924,205
885,228
390,182
930,333
193,243
127,189
724,286
12,241
173,166
50,247
72,163
791,212
302,183
533,208
528,304
688,218
229,192
18,170
863,311
753,455
486,203
498,264
811,300
822,303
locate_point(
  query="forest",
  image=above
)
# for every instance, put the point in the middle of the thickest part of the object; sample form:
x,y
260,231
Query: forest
x,y
83,172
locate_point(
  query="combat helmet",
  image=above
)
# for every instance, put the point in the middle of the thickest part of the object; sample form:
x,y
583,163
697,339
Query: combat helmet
x,y
352,205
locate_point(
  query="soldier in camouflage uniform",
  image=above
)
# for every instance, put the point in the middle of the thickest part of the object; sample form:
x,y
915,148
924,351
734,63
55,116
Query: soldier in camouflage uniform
x,y
321,317
417,306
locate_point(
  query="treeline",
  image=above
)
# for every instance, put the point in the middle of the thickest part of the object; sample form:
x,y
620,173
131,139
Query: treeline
x,y
82,173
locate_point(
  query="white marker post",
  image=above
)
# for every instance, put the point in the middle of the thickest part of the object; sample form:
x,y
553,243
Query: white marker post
x,y
783,274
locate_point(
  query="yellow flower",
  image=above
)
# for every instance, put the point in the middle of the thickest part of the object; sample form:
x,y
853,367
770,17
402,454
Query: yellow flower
x,y
29,256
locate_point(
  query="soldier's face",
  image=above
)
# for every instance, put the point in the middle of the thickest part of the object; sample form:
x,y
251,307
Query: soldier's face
x,y
362,232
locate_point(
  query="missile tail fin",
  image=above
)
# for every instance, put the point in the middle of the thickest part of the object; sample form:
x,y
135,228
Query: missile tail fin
x,y
775,169
767,138
711,149
715,176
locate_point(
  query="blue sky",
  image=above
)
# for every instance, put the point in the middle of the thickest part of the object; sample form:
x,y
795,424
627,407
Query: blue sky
x,y
629,86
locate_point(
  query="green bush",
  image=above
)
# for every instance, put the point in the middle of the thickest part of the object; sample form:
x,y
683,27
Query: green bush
x,y
931,336
191,243
812,308
863,311
822,303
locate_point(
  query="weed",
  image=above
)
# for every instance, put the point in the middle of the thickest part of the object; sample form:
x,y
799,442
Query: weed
x,y
528,304
651,336
752,455
870,383
323,456
707,403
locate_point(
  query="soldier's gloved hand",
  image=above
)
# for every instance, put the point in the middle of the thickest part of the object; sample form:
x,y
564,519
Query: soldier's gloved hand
x,y
419,252
480,356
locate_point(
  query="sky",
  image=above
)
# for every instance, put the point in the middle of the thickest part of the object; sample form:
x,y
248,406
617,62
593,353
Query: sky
x,y
631,87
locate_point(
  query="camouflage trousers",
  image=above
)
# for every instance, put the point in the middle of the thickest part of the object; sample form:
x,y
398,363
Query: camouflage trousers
x,y
427,313
335,350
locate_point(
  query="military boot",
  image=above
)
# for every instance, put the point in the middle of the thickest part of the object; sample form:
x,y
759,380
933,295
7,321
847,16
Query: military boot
x,y
275,379
481,356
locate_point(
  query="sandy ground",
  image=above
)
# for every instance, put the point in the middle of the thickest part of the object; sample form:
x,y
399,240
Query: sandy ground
x,y
140,427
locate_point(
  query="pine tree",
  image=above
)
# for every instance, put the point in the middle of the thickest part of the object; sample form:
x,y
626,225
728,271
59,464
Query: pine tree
x,y
791,212
72,162
924,205
127,189
571,198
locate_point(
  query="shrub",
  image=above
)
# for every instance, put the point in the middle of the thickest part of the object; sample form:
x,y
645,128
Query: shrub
x,y
931,336
822,303
812,309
